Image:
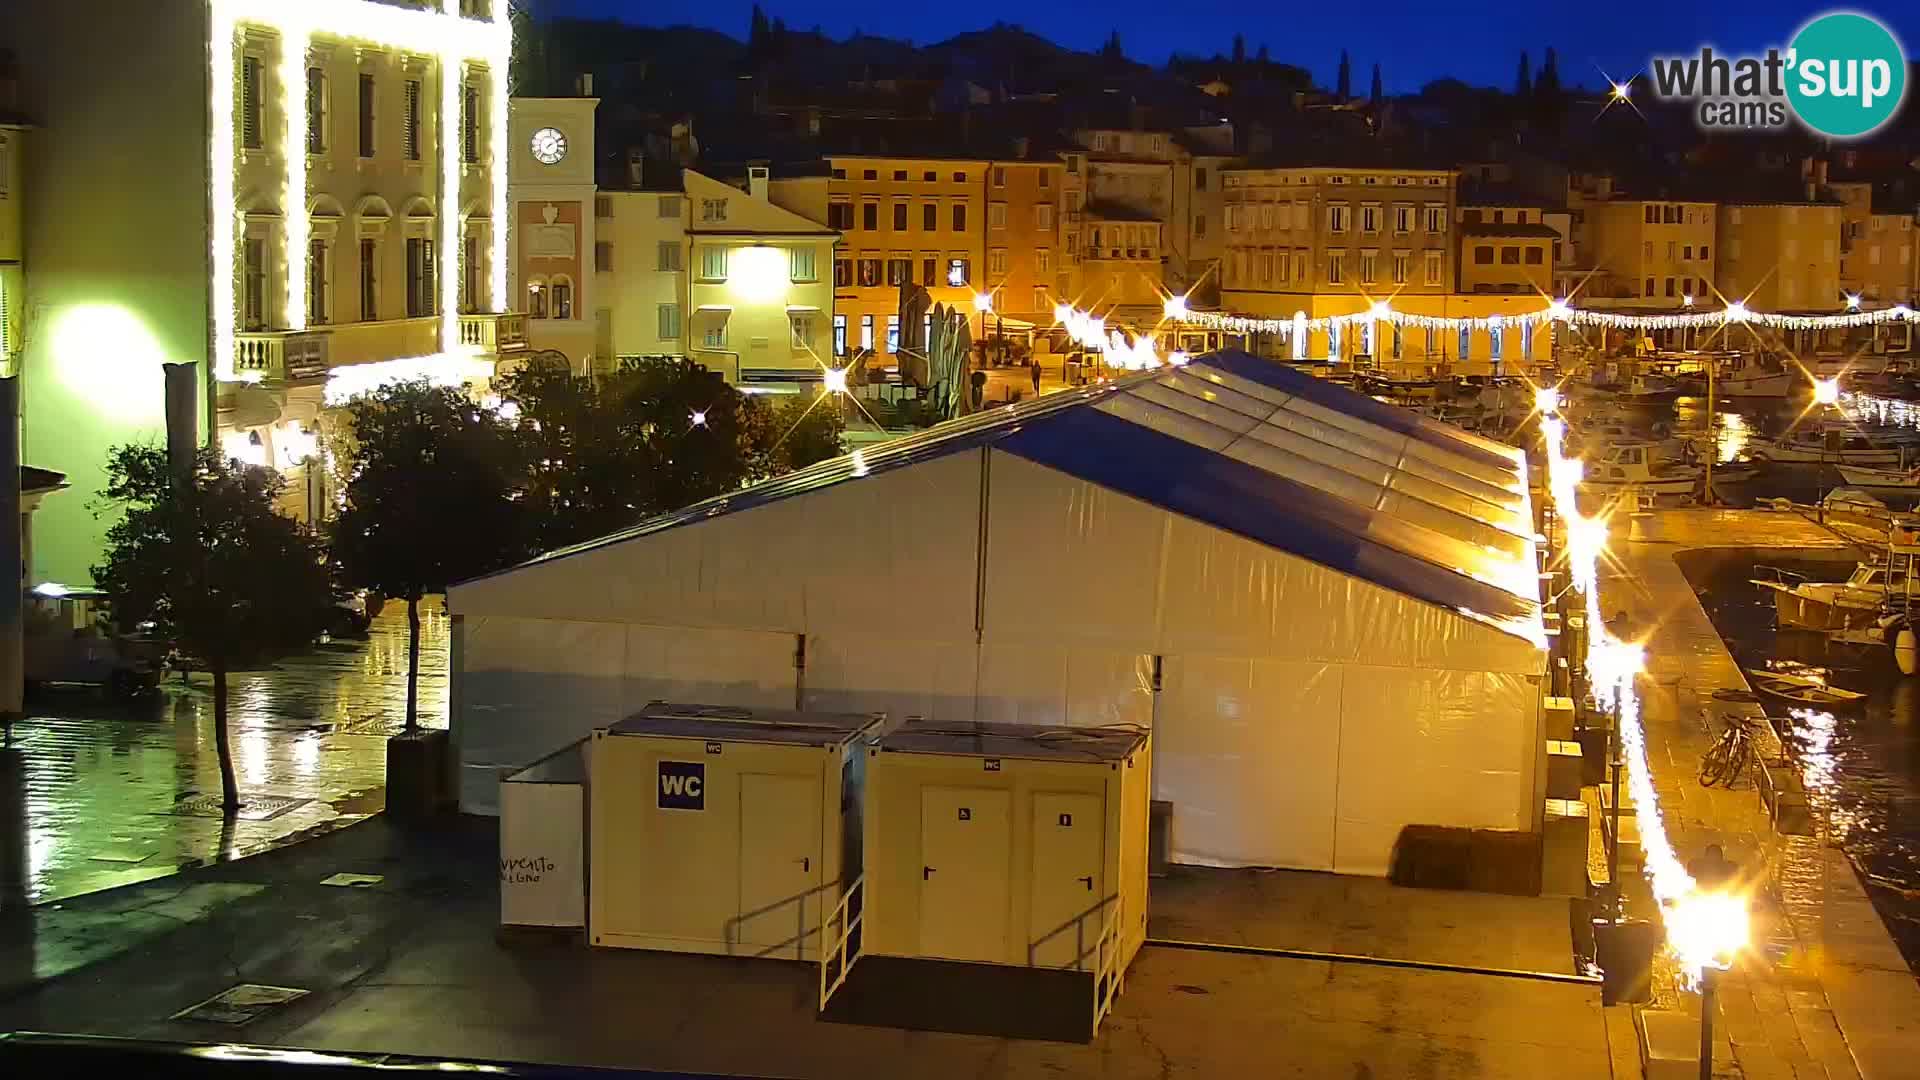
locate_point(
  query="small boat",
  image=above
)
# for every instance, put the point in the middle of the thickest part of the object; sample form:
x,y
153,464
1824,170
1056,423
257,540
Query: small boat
x,y
1743,376
1648,389
1833,446
1637,466
1829,605
1891,480
1800,689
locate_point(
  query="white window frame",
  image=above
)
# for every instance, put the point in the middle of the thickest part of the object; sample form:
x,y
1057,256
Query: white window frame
x,y
713,262
803,264
667,321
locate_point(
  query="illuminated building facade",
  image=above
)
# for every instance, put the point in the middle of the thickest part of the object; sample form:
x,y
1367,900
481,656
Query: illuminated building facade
x,y
760,290
304,199
555,249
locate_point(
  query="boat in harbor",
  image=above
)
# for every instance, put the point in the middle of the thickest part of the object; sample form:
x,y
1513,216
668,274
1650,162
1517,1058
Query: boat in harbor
x,y
1749,375
1648,388
1830,446
1852,604
1640,468
1891,481
1801,689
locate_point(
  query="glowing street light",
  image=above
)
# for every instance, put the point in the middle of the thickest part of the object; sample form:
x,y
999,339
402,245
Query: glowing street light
x,y
699,418
983,302
1621,91
1175,307
1062,313
1381,310
1826,391
1853,301
1546,400
834,380
1736,311
1686,299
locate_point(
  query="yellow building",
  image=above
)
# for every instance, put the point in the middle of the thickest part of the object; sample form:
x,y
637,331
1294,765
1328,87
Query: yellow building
x,y
760,299
1781,256
641,273
1506,249
1649,253
1023,239
555,253
1877,262
326,218
918,220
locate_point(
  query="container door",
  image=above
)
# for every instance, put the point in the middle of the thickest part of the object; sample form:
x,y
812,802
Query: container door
x,y
779,864
965,839
1070,901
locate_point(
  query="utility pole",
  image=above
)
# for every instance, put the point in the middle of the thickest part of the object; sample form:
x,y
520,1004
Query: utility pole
x,y
1709,981
1613,811
1713,437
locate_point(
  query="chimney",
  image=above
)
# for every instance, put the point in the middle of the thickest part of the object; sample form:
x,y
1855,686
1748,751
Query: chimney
x,y
583,86
1021,145
757,181
636,167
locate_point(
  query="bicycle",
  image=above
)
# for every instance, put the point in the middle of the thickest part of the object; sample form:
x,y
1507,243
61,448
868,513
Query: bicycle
x,y
1729,755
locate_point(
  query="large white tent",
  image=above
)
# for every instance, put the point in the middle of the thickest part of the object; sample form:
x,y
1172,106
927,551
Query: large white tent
x,y
1325,607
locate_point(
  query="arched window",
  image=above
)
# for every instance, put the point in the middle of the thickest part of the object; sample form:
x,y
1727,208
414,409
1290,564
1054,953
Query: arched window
x,y
560,298
537,298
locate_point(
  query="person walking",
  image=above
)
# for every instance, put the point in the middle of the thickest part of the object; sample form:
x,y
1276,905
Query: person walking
x,y
1036,376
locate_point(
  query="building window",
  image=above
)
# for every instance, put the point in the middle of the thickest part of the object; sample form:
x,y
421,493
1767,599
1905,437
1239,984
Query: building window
x,y
866,332
561,303
899,174
668,318
959,217
369,283
667,256
840,216
316,110
1396,341
959,178
669,206
930,176
959,272
1466,343
869,272
715,335
250,125
1535,257
713,210
410,123
470,267
1040,301
929,271
1434,263
800,264
1200,226
870,216
839,335
1436,218
900,216
420,294
1368,260
366,115
1703,252
802,325
603,256
997,262
1370,219
1042,261
470,124
1673,287
1336,267
1043,216
537,299
1496,342
1403,219
1337,217
899,271
1526,340
254,284
999,176
603,207
1509,255
317,305
1334,343
1199,179
1402,267
713,262
997,215
929,216
893,333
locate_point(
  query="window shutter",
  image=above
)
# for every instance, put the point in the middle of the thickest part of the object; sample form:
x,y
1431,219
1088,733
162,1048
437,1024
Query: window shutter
x,y
410,134
366,116
316,111
426,277
470,124
250,102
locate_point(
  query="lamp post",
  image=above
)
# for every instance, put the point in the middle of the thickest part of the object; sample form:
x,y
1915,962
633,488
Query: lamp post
x,y
1709,980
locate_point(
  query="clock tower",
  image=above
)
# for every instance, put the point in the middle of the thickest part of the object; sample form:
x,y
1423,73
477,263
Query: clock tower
x,y
551,245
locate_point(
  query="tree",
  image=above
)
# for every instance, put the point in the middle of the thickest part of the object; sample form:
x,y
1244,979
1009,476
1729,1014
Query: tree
x,y
429,500
223,575
1523,85
804,432
1111,50
1344,88
1239,49
1548,85
1261,56
1375,95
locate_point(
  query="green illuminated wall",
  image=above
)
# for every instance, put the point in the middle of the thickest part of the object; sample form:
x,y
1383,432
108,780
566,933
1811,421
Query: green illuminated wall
x,y
115,209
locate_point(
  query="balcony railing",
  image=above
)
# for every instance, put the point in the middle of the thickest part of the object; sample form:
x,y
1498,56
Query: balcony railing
x,y
494,333
282,356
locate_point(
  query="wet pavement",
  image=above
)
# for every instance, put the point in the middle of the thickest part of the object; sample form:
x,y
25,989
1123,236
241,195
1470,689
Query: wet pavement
x,y
116,793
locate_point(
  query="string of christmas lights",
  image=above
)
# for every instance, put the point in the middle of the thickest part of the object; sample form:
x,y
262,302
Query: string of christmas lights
x,y
1556,311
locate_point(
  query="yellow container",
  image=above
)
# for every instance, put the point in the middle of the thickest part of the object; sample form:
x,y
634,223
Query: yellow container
x,y
720,830
1012,845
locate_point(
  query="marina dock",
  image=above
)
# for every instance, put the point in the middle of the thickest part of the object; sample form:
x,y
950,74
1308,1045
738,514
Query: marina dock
x,y
1823,991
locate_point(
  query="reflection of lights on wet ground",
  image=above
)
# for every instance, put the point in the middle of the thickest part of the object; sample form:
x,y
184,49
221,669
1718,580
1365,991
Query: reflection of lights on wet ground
x,y
1731,440
253,757
306,753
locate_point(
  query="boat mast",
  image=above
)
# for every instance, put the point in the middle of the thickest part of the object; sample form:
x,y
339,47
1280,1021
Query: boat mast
x,y
1713,437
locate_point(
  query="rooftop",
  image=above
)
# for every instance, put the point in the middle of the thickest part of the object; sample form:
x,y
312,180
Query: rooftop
x,y
1017,741
719,723
1511,229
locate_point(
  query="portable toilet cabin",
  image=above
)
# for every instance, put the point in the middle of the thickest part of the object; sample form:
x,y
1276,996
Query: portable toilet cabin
x,y
723,830
1005,890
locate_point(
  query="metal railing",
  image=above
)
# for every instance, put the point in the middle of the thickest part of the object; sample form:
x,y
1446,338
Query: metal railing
x,y
1108,970
281,355
732,931
839,947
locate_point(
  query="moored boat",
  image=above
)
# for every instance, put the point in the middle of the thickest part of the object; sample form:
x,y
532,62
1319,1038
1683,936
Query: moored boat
x,y
1810,690
1833,446
1801,604
1638,466
1897,481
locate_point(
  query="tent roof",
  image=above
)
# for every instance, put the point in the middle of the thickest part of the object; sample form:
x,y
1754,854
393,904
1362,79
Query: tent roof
x,y
1260,450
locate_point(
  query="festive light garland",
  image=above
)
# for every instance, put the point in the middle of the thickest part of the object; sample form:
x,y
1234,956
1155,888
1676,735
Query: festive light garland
x,y
1556,311
1704,928
444,34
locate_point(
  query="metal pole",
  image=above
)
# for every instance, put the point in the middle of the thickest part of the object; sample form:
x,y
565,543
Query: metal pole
x,y
1613,811
12,660
1708,981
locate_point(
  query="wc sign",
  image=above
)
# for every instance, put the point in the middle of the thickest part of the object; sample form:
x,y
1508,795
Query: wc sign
x,y
683,785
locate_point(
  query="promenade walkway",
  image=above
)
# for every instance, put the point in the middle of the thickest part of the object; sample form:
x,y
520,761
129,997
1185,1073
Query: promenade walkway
x,y
1824,992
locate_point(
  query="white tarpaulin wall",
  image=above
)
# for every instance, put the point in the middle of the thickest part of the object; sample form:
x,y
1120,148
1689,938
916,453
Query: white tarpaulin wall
x,y
1305,714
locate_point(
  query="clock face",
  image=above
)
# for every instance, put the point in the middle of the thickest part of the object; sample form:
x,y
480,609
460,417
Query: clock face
x,y
549,146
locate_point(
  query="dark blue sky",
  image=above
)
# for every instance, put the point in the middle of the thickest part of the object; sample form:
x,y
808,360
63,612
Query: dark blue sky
x,y
1412,41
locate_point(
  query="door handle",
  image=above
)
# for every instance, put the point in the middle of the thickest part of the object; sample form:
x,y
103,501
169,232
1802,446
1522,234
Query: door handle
x,y
1088,880
926,872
